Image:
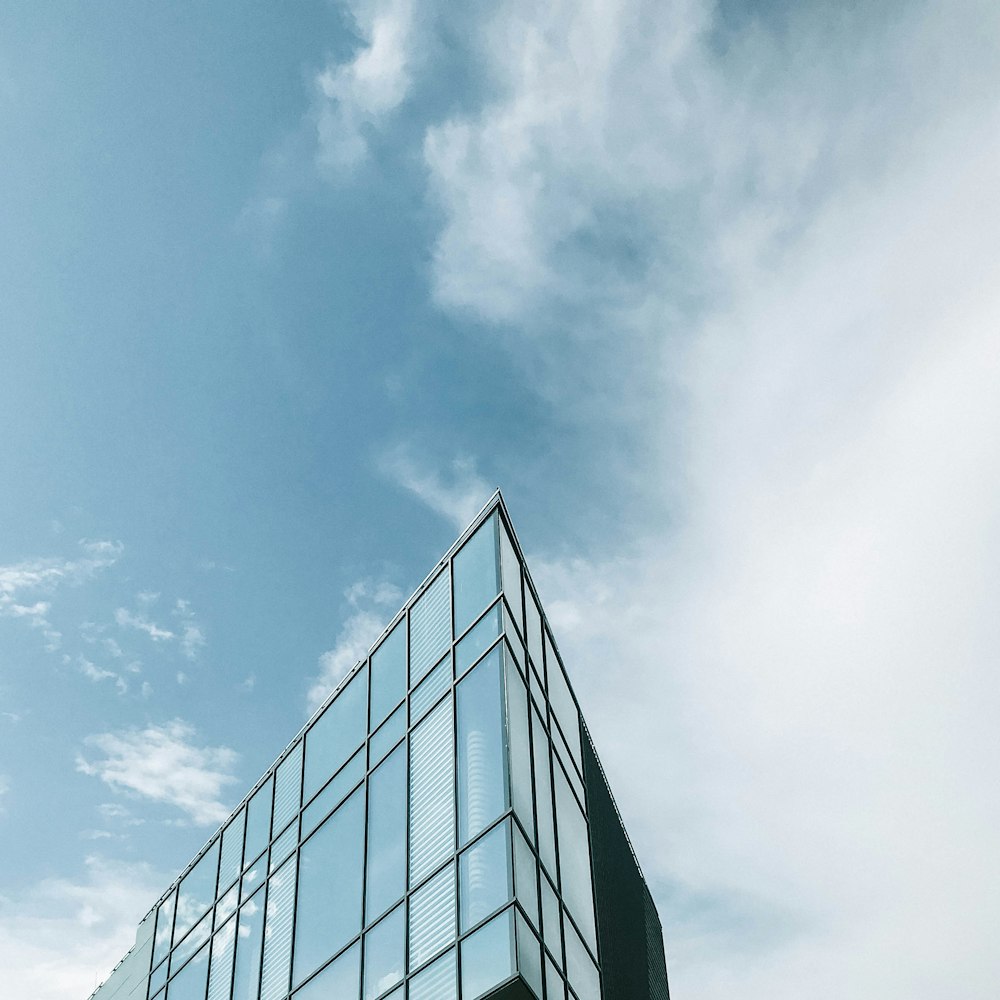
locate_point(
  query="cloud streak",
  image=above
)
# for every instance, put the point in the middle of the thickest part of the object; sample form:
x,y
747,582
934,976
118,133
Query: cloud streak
x,y
164,764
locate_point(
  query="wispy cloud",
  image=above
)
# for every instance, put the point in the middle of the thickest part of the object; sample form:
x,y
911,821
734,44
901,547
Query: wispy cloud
x,y
139,622
164,764
25,581
192,636
456,491
60,937
97,674
370,604
364,91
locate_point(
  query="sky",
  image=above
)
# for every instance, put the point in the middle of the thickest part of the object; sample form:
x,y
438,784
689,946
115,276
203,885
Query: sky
x,y
710,290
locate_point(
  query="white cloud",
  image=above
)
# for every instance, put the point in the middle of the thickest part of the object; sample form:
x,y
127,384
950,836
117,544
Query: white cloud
x,y
23,580
97,674
128,619
360,94
61,937
371,603
163,764
802,648
192,636
457,492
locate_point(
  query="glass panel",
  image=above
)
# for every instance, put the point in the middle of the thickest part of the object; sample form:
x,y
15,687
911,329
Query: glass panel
x,y
258,821
519,747
477,574
388,736
337,733
478,639
201,933
388,674
430,628
321,806
574,857
254,878
197,892
563,756
328,912
192,981
516,646
431,688
525,876
226,906
248,947
511,572
580,969
485,876
543,792
278,933
284,846
482,778
562,701
159,976
533,637
554,988
432,917
220,977
340,980
529,955
386,834
164,928
287,789
438,981
488,956
432,792
551,930
231,863
384,954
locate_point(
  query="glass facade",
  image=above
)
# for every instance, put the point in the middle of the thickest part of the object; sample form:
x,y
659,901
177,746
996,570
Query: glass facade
x,y
425,836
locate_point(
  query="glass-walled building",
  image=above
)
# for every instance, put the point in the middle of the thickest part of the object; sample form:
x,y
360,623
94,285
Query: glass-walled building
x,y
440,830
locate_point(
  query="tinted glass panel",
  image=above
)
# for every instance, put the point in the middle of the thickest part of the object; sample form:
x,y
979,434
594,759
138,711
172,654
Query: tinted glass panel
x,y
387,736
324,803
388,674
529,955
511,573
197,891
488,956
551,927
430,689
248,948
485,874
278,933
525,876
477,574
519,746
258,821
337,733
386,834
195,939
478,640
164,928
430,627
231,862
384,955
554,987
437,982
562,701
482,779
543,795
432,792
432,917
580,969
574,857
223,952
533,621
340,980
287,789
330,872
284,846
192,981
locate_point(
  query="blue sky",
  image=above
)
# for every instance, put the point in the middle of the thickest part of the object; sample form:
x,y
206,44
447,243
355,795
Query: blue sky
x,y
710,290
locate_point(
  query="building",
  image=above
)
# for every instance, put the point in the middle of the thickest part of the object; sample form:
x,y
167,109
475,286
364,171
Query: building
x,y
441,829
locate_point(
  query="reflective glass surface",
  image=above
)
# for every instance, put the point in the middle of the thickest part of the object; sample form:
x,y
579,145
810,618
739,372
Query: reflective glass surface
x,y
340,980
249,940
485,876
197,892
278,933
231,861
345,781
580,969
384,954
477,574
192,981
438,981
529,955
543,795
482,782
258,821
432,916
387,736
430,627
331,865
432,791
337,733
488,956
511,573
287,789
164,928
221,969
430,689
388,674
574,856
386,833
478,639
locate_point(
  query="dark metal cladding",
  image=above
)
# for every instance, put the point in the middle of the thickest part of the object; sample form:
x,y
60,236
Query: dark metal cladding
x,y
630,938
